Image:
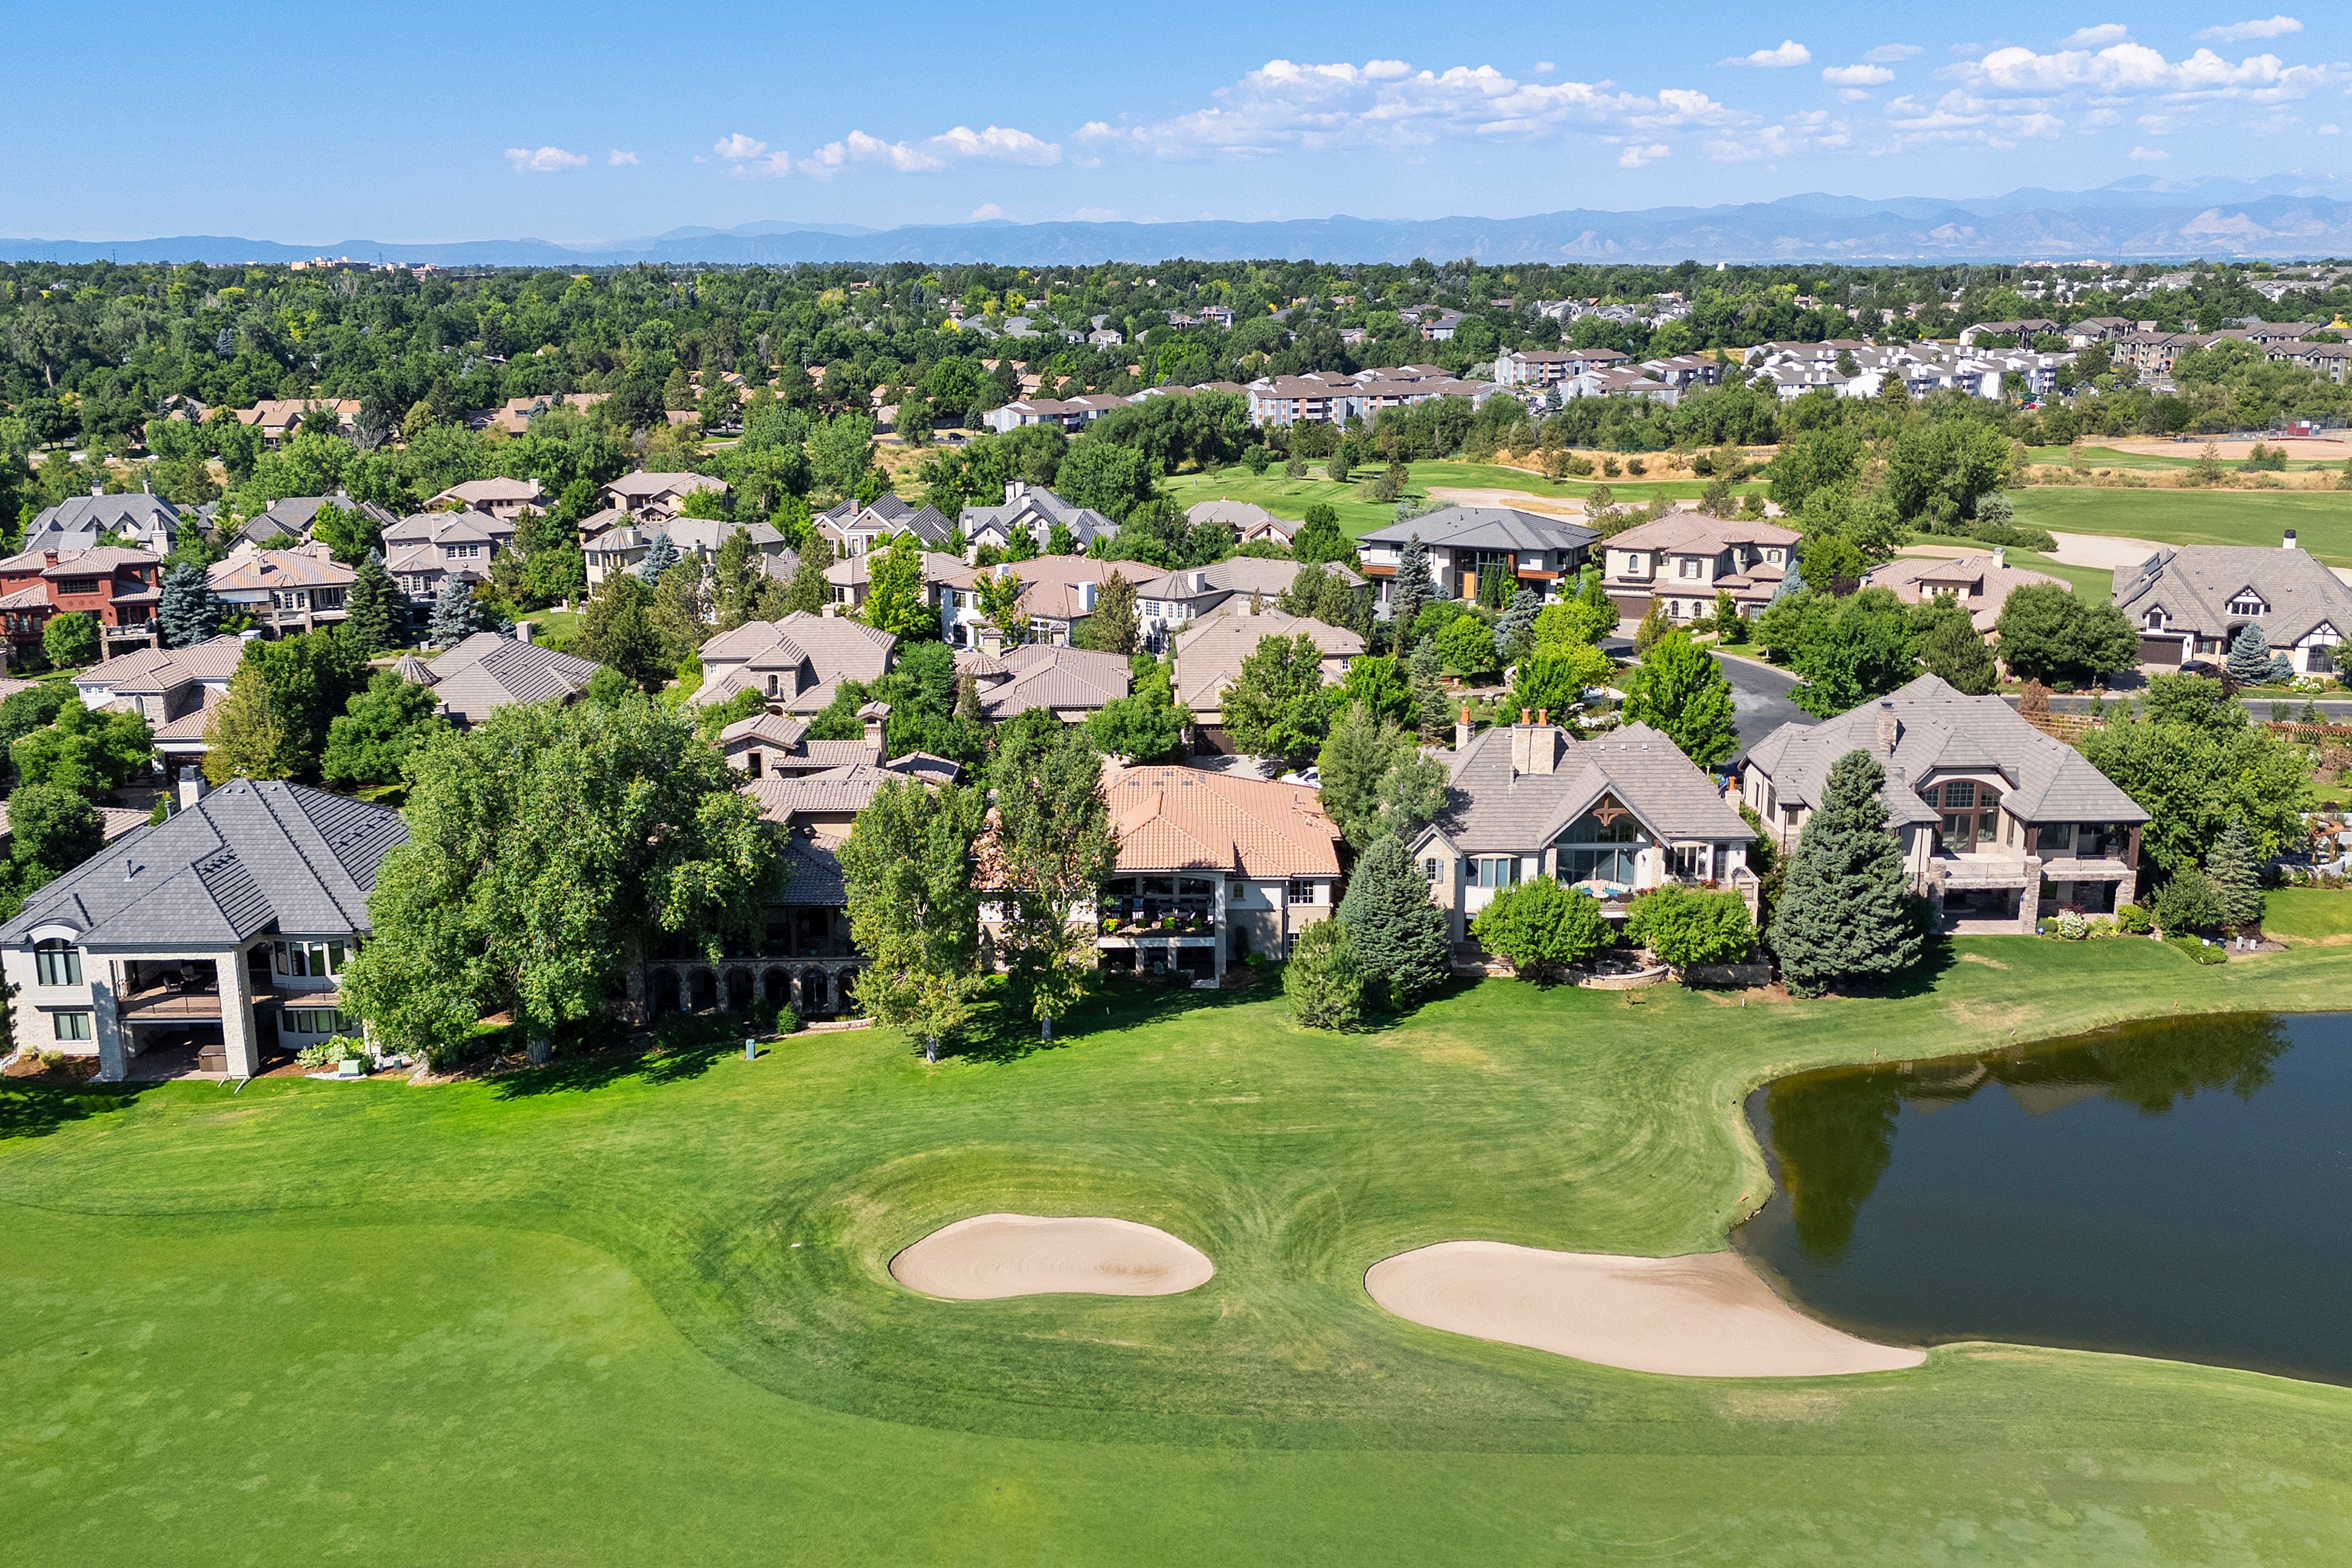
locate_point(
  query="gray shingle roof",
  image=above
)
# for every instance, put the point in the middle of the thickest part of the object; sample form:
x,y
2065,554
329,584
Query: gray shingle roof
x,y
1939,730
250,858
488,672
2194,585
1492,807
1486,528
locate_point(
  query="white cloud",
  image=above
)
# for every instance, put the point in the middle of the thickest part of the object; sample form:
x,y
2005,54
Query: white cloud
x,y
2150,154
1815,130
1887,54
616,158
1852,95
1790,53
543,160
2097,37
2024,81
1858,76
739,148
987,210
1544,68
750,156
1637,156
1962,117
2239,32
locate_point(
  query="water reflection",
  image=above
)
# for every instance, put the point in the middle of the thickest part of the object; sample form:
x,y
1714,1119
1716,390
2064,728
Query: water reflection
x,y
1833,1133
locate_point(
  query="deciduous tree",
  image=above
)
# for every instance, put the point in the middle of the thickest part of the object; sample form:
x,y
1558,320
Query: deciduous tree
x,y
1542,927
1054,850
914,909
1277,706
1678,689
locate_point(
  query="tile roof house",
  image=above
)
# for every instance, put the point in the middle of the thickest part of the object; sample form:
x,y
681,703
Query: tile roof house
x,y
287,522
1166,603
424,549
796,662
173,690
1616,815
119,586
1058,592
487,672
1248,521
1683,559
857,530
149,521
286,591
1463,542
1999,823
1074,683
851,578
1980,584
770,745
657,496
1211,868
278,417
1209,655
224,927
2189,601
1031,510
504,498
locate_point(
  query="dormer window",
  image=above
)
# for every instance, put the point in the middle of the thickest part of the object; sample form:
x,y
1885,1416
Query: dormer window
x,y
2153,621
2248,603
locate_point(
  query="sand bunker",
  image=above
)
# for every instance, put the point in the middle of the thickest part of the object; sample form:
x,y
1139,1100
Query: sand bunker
x,y
1707,1315
992,1256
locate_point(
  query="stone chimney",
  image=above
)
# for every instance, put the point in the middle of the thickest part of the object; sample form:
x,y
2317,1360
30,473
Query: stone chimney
x,y
1523,746
1542,749
991,642
1999,556
2288,542
1890,729
191,787
1461,729
877,716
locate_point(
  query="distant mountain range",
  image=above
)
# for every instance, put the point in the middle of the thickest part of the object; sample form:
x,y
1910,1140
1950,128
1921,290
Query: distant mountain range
x,y
2297,215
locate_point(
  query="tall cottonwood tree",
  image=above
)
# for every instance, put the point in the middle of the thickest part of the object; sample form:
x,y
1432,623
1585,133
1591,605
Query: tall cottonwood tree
x,y
1054,849
914,907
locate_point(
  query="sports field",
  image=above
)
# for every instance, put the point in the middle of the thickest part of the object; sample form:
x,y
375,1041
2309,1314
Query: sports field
x,y
640,1311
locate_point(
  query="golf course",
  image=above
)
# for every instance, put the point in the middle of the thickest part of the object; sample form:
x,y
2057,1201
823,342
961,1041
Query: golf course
x,y
641,1308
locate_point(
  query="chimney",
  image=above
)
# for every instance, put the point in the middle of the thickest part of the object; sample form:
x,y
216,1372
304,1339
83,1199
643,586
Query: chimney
x,y
1087,597
2001,555
1461,729
877,718
523,631
97,488
1522,745
1542,751
251,634
991,642
1890,729
2288,542
191,787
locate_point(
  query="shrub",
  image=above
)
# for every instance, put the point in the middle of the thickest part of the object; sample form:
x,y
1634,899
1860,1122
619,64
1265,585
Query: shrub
x,y
2133,919
2189,902
2071,926
1685,926
1542,927
1323,979
2197,950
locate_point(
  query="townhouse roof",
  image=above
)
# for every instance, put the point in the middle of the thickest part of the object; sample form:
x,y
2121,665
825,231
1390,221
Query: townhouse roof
x,y
487,672
1047,675
253,856
1176,819
1209,652
2194,583
155,670
834,791
268,570
99,561
1241,516
1938,729
644,485
1980,582
889,514
1485,527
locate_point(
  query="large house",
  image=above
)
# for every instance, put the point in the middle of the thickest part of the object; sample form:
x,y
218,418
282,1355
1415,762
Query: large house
x,y
1073,683
1209,653
1032,510
656,497
505,500
174,690
2190,601
1464,543
118,587
1249,521
848,579
1980,584
770,745
1683,560
286,591
855,530
287,522
623,549
796,663
218,932
1999,824
280,418
1167,603
1058,592
1211,868
148,522
424,550
487,672
1616,816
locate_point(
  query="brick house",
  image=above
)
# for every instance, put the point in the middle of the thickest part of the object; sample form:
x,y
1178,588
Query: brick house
x,y
119,585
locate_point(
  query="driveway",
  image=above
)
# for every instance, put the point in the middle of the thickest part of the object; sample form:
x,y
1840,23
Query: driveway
x,y
1759,699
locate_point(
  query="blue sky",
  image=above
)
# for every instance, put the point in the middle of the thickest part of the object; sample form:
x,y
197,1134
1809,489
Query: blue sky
x,y
320,122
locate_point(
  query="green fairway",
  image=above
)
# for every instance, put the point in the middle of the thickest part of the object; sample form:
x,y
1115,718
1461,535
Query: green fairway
x,y
2322,519
2308,914
639,1313
1359,514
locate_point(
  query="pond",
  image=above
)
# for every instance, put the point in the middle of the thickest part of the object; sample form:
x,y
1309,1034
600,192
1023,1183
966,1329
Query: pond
x,y
2179,1188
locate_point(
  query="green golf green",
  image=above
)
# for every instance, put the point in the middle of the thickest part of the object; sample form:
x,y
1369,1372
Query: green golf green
x,y
640,1311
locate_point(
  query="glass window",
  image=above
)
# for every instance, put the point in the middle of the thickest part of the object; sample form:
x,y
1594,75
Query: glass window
x,y
1959,793
72,1026
1302,891
1429,870
57,965
1598,863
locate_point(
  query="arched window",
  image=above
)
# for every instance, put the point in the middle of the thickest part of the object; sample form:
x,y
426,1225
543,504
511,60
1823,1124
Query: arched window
x,y
58,964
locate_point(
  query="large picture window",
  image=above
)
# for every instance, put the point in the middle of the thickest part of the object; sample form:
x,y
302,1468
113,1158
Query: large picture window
x,y
55,963
1601,846
1967,814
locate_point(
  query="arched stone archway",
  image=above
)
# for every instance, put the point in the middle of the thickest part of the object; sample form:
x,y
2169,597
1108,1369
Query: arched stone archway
x,y
739,990
777,986
705,990
812,992
666,992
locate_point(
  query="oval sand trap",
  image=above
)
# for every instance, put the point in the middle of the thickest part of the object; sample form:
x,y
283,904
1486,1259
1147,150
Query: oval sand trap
x,y
993,1255
1707,1315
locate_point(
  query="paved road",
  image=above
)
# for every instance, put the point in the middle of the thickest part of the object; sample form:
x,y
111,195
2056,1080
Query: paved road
x,y
1759,699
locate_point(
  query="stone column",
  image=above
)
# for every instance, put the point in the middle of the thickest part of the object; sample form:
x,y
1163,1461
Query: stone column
x,y
2029,902
113,1034
240,1033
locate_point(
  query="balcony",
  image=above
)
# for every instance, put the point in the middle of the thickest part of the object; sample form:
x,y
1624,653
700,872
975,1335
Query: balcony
x,y
1177,919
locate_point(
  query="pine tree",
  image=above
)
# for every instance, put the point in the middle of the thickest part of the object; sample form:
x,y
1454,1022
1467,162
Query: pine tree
x,y
453,613
2249,655
1399,935
1842,913
660,556
190,611
810,592
1324,979
2237,877
1516,631
1426,677
1409,591
375,617
1956,654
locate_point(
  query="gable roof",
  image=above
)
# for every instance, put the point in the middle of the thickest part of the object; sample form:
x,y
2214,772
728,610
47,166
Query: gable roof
x,y
155,669
1916,581
1175,818
1492,806
1209,652
1938,729
1047,675
487,672
1486,528
251,857
135,511
889,514
1697,531
2195,583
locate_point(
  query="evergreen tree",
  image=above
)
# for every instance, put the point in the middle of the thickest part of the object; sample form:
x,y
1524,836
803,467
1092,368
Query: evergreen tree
x,y
1399,935
617,630
2237,877
810,592
454,616
660,556
376,615
1112,628
190,611
1679,689
1956,654
2251,661
1843,913
1425,678
1324,979
1409,590
735,579
1515,633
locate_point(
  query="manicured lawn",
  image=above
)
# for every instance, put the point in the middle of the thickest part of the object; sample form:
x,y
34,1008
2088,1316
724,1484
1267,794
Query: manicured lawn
x,y
2321,518
2309,914
641,1313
